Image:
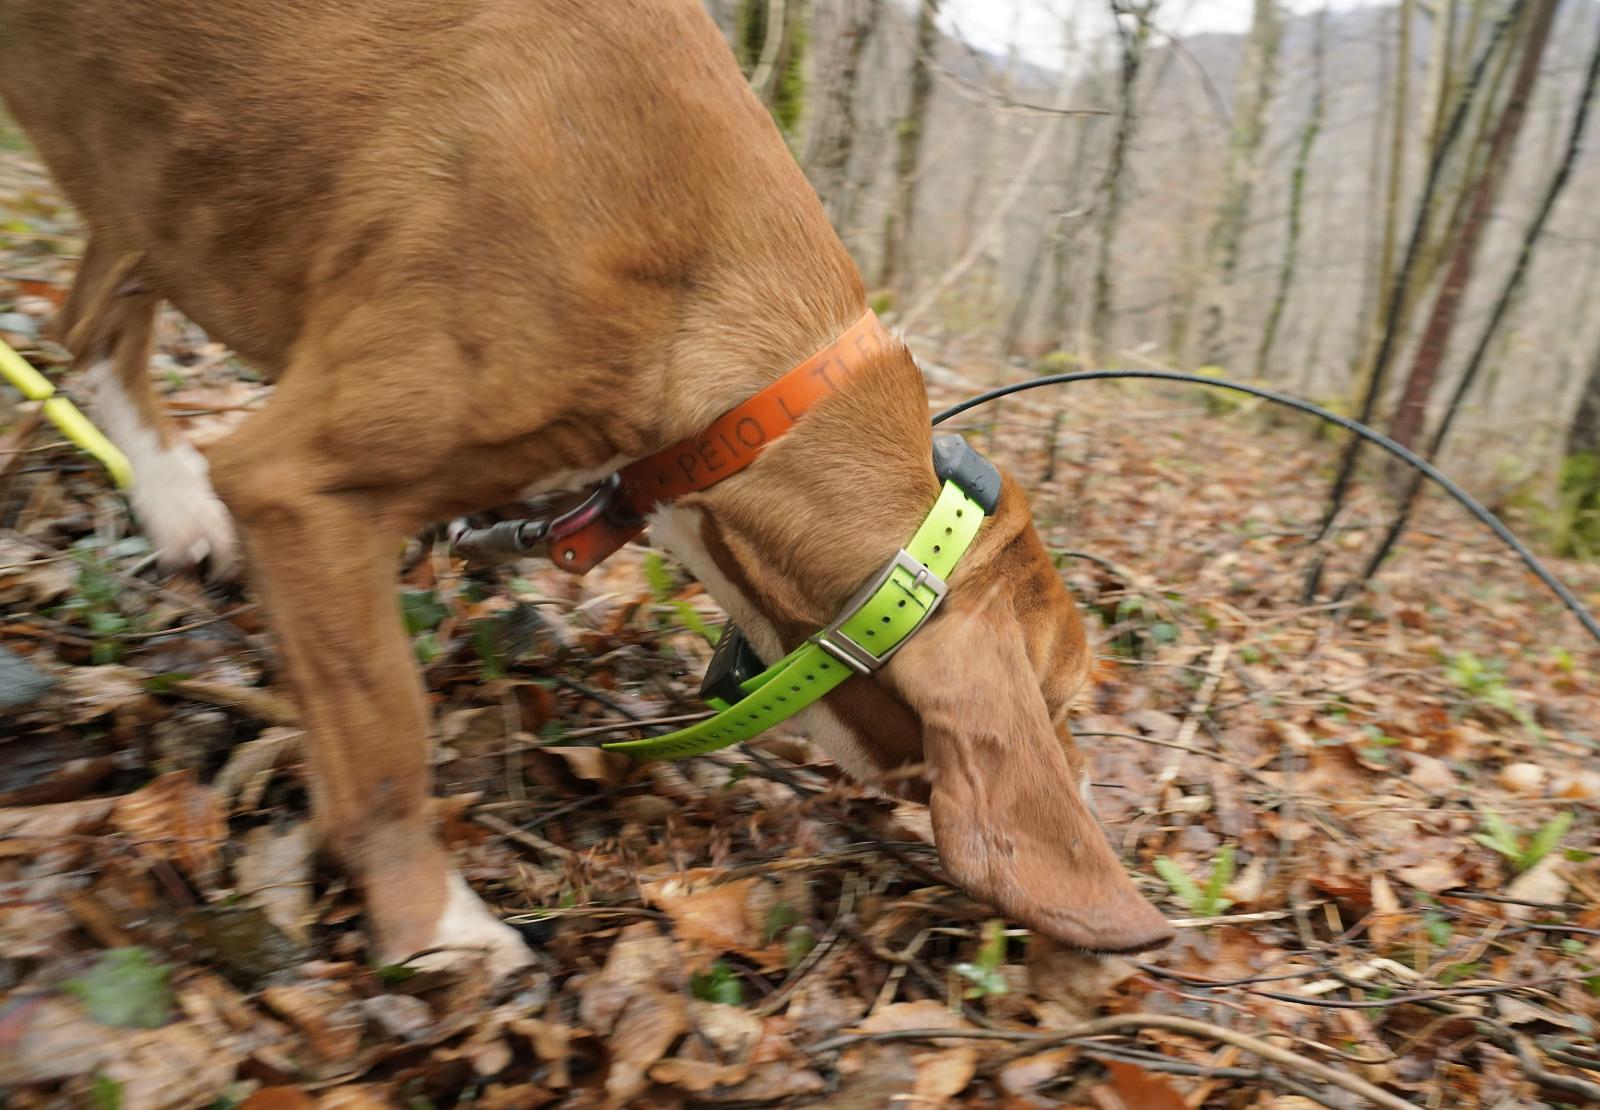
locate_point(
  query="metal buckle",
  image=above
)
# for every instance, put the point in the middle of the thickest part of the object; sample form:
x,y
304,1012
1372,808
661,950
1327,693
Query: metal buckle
x,y
597,505
510,539
862,659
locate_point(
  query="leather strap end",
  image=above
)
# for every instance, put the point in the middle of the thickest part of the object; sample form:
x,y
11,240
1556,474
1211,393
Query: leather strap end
x,y
591,545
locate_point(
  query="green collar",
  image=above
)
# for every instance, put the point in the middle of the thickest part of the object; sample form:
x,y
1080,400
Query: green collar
x,y
875,623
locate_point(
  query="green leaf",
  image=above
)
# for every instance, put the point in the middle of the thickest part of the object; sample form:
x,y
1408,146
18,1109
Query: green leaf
x,y
423,610
1187,890
164,683
779,917
695,623
717,983
125,988
488,637
105,1093
1500,836
659,577
427,647
1439,929
987,982
1548,836
797,945
1512,853
992,952
393,973
1456,972
1221,876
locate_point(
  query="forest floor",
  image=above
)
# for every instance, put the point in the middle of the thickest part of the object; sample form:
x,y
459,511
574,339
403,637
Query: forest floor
x,y
1376,830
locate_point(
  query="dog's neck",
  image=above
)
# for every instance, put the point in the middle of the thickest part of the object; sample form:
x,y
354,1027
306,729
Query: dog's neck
x,y
784,543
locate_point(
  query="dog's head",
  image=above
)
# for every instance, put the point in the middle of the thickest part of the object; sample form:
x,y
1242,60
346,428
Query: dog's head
x,y
979,696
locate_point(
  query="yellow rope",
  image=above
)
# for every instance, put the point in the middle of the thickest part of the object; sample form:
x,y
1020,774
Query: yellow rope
x,y
65,415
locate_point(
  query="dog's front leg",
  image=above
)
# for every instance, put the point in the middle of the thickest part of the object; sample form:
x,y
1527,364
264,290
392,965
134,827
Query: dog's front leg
x,y
324,557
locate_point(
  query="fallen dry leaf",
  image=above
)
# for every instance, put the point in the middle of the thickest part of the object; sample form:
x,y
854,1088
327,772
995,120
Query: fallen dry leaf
x,y
325,1013
279,1098
244,778
712,918
1387,916
1022,1075
641,957
52,1040
1138,1089
1431,876
274,871
1545,881
1431,775
650,1021
1076,983
175,819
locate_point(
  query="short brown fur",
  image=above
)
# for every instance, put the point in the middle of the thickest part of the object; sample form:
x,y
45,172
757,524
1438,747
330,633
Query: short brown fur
x,y
496,244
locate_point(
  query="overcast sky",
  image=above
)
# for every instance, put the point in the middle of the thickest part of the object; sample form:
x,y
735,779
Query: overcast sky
x,y
1036,25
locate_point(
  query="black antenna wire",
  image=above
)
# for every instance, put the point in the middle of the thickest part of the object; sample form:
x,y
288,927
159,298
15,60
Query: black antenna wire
x,y
1405,454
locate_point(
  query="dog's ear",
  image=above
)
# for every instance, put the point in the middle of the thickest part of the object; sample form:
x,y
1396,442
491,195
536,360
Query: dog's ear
x,y
1009,818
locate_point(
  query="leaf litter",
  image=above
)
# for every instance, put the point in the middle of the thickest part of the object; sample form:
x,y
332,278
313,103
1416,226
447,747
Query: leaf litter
x,y
1377,830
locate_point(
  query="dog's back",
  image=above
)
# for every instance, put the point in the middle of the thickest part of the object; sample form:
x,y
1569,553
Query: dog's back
x,y
528,162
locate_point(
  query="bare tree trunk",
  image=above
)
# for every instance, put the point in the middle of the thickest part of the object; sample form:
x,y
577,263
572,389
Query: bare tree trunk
x,y
1134,33
1472,110
1249,127
1436,336
1435,104
983,153
897,229
1070,220
1382,320
1030,287
1397,291
833,139
1189,273
1297,194
1508,292
999,210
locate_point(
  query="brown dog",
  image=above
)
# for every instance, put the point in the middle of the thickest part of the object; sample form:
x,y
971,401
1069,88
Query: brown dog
x,y
497,246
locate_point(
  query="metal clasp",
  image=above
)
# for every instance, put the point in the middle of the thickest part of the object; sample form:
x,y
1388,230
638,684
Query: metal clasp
x,y
511,539
858,656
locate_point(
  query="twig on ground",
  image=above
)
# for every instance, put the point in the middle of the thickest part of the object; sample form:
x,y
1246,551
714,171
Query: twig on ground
x,y
623,726
1528,1056
1243,768
526,839
816,957
253,701
1415,997
1120,1022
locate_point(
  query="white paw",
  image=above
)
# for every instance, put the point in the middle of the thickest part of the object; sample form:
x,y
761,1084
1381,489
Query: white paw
x,y
171,495
184,518
467,928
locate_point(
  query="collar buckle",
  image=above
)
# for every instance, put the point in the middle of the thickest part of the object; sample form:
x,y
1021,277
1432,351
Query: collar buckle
x,y
925,590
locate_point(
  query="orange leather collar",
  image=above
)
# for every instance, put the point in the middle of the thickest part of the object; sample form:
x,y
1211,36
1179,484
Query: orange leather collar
x,y
730,444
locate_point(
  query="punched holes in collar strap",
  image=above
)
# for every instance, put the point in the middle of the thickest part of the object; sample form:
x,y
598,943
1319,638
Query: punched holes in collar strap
x,y
955,460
